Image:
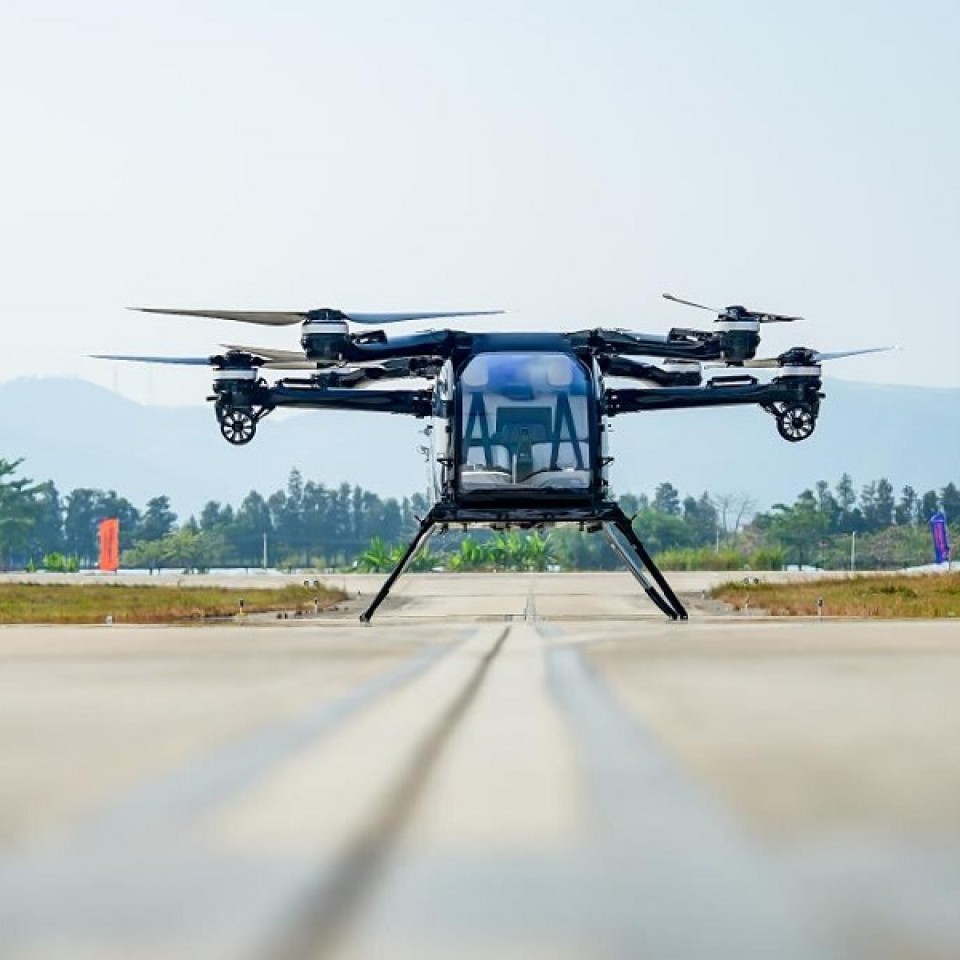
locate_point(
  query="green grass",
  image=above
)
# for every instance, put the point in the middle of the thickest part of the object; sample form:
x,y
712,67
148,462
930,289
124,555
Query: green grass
x,y
895,596
93,603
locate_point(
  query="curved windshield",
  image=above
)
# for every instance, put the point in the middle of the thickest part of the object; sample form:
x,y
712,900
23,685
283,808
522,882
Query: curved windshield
x,y
524,422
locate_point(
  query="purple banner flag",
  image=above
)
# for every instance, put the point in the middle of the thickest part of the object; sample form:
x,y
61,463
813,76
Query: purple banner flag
x,y
941,538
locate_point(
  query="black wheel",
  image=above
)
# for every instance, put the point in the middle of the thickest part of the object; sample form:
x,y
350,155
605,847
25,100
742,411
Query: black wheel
x,y
238,427
796,423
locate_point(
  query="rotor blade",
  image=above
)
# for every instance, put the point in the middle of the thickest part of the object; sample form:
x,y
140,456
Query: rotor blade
x,y
298,360
400,317
771,363
837,354
295,362
268,353
266,318
182,361
690,303
287,318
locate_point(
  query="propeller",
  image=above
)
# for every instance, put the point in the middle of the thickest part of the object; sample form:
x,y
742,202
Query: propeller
x,y
270,359
803,357
182,361
244,360
736,313
690,303
287,318
838,354
271,354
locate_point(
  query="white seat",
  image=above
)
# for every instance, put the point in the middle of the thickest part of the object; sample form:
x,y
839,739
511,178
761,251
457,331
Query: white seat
x,y
566,457
484,479
566,474
477,458
560,480
478,474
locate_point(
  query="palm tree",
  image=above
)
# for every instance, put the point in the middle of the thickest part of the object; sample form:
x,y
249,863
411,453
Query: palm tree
x,y
508,550
470,556
425,560
539,552
377,558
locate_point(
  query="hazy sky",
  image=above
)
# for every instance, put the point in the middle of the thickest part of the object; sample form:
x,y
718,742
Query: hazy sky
x,y
567,161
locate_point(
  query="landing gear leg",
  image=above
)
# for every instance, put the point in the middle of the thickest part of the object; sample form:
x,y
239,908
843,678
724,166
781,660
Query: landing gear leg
x,y
628,546
427,527
796,422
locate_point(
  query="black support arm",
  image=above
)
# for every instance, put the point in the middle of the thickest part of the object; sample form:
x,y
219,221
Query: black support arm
x,y
375,345
732,346
635,370
417,403
784,390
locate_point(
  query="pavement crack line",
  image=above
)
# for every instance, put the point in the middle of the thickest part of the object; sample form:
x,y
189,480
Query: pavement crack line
x,y
152,811
98,865
692,886
327,911
530,611
174,801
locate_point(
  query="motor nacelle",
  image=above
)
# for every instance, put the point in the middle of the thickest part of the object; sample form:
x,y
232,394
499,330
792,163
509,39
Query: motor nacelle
x,y
682,373
235,386
739,341
325,335
237,397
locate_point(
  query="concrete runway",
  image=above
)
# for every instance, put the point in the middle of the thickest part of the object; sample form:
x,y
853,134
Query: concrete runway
x,y
500,766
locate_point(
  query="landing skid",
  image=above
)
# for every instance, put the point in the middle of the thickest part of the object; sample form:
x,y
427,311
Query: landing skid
x,y
427,528
627,545
612,520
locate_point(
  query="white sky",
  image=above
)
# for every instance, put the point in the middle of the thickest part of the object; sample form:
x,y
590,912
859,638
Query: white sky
x,y
567,161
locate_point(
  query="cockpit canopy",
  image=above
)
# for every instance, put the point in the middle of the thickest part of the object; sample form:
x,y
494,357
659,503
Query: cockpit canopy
x,y
524,423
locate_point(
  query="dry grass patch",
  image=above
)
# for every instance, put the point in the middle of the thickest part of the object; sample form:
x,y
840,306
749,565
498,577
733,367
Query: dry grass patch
x,y
93,603
895,596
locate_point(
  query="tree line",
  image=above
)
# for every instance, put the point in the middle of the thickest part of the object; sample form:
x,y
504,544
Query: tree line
x,y
305,524
309,525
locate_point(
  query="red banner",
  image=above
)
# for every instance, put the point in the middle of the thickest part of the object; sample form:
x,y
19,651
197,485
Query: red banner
x,y
110,545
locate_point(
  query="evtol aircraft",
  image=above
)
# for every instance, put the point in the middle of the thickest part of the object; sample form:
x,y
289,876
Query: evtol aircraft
x,y
519,420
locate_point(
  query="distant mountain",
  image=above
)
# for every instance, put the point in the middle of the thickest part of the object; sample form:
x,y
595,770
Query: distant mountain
x,y
78,434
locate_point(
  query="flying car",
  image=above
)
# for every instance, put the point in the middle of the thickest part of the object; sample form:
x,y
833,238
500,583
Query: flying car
x,y
519,421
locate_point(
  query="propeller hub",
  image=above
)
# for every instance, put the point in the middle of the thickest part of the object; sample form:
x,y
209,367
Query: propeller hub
x,y
799,362
325,315
798,357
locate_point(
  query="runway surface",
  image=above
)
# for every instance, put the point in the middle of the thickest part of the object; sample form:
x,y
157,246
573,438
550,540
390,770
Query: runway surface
x,y
499,766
